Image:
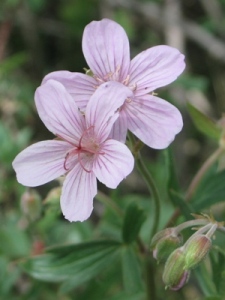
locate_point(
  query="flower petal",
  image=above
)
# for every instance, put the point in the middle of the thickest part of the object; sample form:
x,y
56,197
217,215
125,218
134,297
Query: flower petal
x,y
80,86
59,112
113,164
79,189
106,49
41,162
153,120
119,129
102,109
154,68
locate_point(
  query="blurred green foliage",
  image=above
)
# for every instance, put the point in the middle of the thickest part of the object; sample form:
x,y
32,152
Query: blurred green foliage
x,y
99,258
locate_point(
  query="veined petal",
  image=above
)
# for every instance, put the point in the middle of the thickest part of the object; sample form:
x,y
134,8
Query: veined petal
x,y
41,162
154,68
79,86
106,49
113,164
59,112
103,107
79,189
153,120
119,129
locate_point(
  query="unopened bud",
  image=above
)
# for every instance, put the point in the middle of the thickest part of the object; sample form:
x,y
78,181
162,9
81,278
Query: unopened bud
x,y
196,250
174,275
31,204
164,243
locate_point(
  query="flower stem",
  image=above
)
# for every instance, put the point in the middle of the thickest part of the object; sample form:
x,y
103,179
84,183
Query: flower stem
x,y
150,279
191,223
150,183
153,190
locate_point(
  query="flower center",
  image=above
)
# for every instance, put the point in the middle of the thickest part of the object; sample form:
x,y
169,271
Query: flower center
x,y
86,150
115,76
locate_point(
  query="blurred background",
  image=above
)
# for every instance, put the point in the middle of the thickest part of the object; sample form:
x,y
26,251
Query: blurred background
x,y
38,37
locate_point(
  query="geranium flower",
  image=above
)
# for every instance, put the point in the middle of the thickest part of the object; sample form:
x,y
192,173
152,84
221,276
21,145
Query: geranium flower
x,y
106,50
82,150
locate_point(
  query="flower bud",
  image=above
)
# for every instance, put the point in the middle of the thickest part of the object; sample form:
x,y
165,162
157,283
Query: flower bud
x,y
196,250
174,275
164,243
31,205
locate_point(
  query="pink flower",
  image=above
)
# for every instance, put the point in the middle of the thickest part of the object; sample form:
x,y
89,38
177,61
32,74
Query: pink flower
x,y
106,49
82,150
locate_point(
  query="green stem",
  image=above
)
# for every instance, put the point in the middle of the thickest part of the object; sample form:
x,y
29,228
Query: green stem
x,y
190,223
150,279
153,190
150,183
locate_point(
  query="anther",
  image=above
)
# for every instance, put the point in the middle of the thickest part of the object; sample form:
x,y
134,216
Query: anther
x,y
128,100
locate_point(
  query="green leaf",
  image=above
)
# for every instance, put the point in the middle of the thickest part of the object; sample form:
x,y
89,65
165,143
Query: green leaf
x,y
125,296
13,62
210,191
78,262
213,298
217,265
179,201
131,271
205,281
203,123
133,220
14,242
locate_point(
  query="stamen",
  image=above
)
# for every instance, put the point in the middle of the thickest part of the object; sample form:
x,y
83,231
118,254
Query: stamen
x,y
64,164
117,70
108,75
133,87
128,100
126,80
82,112
98,79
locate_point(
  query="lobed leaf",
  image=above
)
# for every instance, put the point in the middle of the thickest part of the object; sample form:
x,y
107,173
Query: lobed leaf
x,y
133,220
78,262
131,271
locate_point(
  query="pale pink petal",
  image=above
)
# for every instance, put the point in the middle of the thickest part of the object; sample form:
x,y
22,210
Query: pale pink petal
x,y
59,112
41,162
153,120
113,164
119,129
80,86
106,49
154,68
103,107
79,189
